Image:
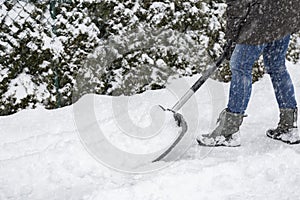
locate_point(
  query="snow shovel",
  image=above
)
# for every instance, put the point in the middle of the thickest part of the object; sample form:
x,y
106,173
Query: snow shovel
x,y
177,116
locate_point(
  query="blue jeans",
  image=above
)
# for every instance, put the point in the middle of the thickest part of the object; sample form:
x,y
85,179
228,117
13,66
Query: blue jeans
x,y
242,60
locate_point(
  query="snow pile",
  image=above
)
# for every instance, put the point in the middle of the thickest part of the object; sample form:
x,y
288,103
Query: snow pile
x,y
42,157
151,132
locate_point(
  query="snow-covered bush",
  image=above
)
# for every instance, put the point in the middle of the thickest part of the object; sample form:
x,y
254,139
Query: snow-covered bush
x,y
112,47
293,54
40,55
152,41
24,55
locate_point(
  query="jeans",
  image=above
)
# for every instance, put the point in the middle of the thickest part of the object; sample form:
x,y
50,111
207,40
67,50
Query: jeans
x,y
241,62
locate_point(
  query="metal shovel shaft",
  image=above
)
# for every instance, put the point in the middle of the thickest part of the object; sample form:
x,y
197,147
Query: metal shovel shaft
x,y
202,79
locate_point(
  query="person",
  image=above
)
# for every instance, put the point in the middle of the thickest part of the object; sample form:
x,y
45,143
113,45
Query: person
x,y
258,27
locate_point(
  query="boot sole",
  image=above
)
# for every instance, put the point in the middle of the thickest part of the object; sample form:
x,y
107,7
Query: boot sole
x,y
200,143
287,142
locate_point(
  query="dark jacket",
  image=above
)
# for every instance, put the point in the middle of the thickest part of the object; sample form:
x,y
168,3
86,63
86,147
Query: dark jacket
x,y
267,20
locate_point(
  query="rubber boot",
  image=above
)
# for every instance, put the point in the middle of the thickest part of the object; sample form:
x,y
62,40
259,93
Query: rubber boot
x,y
227,131
286,130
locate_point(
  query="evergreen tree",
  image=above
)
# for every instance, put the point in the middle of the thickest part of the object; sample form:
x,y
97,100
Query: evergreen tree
x,y
24,55
110,47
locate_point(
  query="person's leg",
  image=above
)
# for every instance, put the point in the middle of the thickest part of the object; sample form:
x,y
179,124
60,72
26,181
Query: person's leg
x,y
274,59
227,131
242,60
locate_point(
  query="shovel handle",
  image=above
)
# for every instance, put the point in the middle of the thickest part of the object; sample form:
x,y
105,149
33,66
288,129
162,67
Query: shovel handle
x,y
206,74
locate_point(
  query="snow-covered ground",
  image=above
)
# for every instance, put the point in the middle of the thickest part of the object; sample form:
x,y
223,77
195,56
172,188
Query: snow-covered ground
x,y
42,156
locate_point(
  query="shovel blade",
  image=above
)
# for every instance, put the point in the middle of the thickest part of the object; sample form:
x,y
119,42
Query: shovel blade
x,y
180,123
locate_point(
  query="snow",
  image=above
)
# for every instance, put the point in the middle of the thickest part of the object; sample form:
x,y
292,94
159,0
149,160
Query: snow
x,y
43,154
23,85
20,87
